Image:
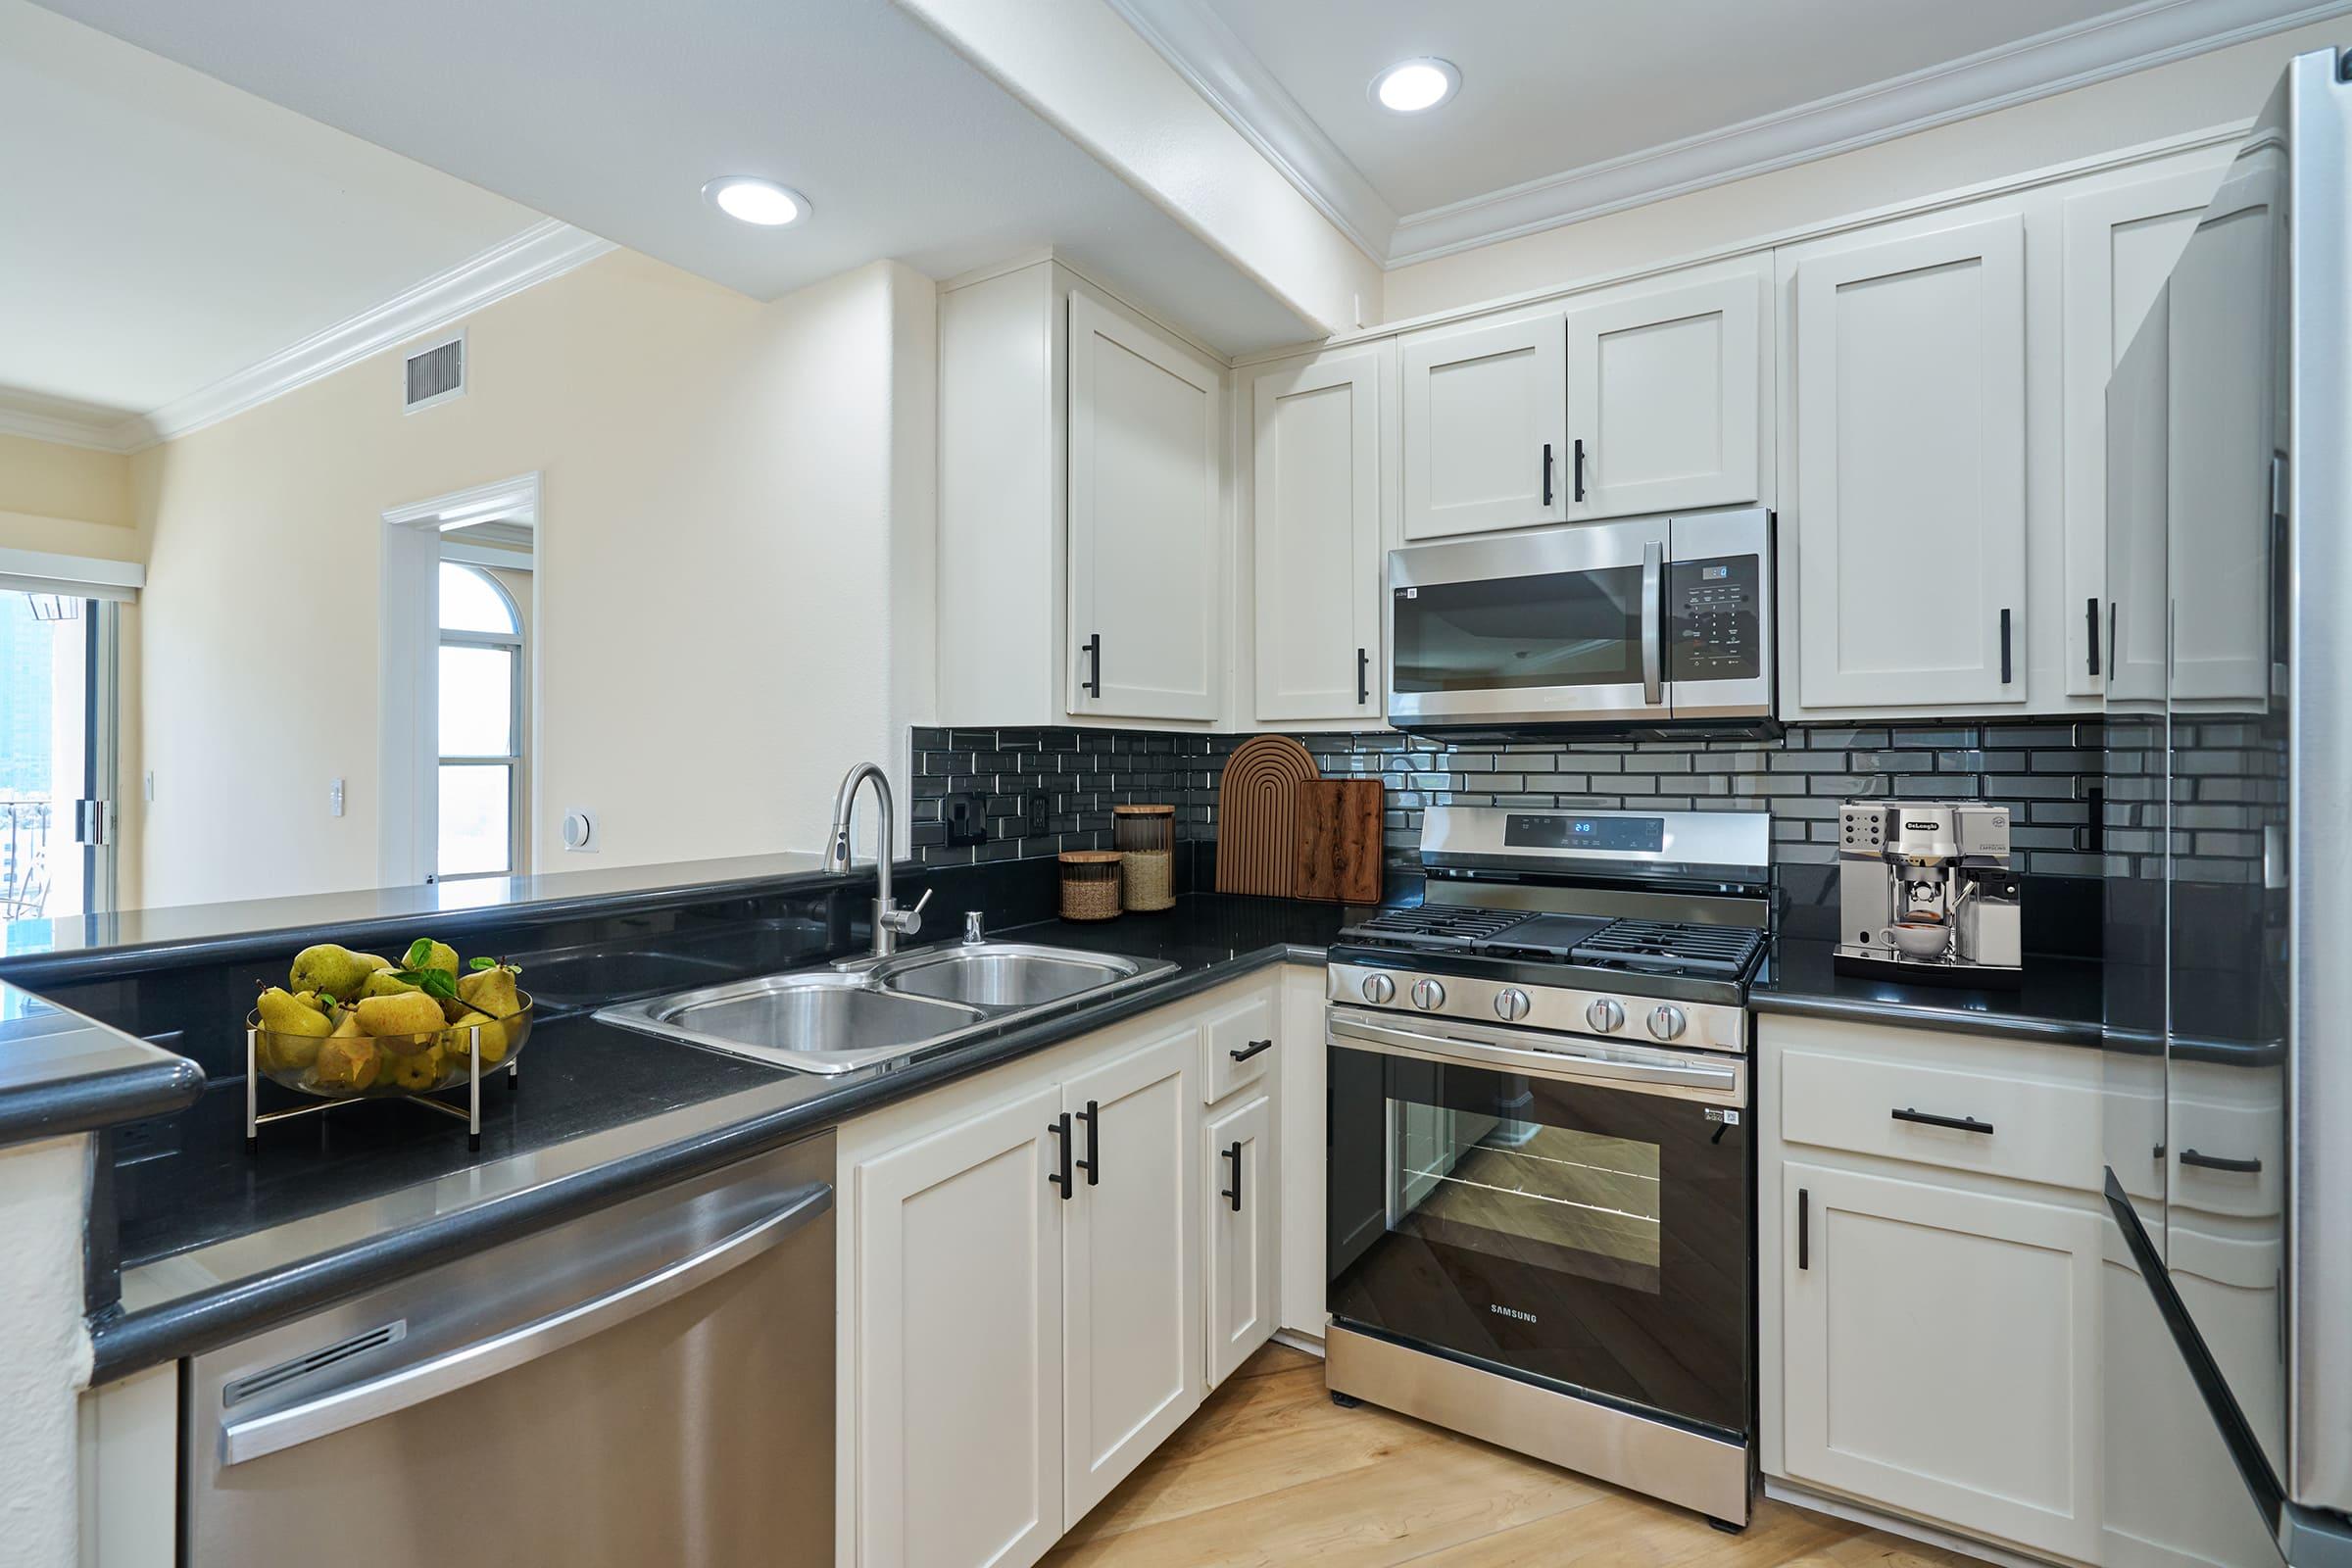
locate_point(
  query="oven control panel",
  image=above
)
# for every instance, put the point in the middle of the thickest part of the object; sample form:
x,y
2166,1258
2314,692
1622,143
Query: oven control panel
x,y
1714,606
1641,1020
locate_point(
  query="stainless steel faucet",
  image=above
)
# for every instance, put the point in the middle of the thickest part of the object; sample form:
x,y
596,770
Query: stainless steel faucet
x,y
890,921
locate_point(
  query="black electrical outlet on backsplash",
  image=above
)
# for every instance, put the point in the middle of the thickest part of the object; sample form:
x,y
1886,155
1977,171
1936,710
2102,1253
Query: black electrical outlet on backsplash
x,y
2048,771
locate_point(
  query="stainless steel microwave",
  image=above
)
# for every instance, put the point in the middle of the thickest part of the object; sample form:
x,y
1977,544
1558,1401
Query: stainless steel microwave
x,y
1652,622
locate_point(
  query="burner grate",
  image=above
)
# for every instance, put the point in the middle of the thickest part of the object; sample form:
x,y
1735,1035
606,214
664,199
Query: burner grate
x,y
1435,925
1672,944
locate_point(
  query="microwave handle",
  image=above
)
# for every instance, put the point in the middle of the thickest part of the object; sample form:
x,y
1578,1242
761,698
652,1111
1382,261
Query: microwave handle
x,y
1653,631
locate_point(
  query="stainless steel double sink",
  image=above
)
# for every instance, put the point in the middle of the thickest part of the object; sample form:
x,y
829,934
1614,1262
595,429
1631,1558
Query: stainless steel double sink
x,y
861,1012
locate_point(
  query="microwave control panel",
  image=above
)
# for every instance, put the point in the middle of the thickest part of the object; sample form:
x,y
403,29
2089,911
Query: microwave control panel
x,y
1713,607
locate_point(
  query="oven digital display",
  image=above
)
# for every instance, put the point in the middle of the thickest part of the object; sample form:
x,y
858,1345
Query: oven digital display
x,y
1531,830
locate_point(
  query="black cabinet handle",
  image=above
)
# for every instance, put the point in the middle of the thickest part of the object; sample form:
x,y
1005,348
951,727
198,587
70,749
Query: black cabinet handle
x,y
1232,1152
2110,639
1092,1164
1244,1052
1092,649
1927,1118
1805,1228
2006,675
1547,473
1580,470
2090,612
1060,1127
1363,676
2245,1167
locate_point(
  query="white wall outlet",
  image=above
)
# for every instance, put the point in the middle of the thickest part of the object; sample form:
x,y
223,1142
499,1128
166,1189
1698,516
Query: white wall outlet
x,y
579,832
334,797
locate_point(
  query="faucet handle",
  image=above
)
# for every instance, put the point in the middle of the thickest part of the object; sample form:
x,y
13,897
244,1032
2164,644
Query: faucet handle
x,y
905,922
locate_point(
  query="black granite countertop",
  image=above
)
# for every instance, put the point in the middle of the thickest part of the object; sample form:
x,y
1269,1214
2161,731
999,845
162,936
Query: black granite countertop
x,y
230,1242
60,1073
2058,1001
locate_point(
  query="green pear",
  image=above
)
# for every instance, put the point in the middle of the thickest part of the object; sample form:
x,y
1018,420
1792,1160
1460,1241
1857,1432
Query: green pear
x,y
413,1014
385,983
490,991
284,1015
337,971
460,1037
349,1062
443,957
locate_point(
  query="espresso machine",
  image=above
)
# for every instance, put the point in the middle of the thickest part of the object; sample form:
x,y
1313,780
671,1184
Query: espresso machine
x,y
1925,892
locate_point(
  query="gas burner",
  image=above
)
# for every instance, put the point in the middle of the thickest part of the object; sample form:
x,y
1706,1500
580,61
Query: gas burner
x,y
1671,947
1434,925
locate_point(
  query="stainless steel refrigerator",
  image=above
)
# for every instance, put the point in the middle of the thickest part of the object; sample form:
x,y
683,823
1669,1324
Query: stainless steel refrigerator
x,y
2226,1284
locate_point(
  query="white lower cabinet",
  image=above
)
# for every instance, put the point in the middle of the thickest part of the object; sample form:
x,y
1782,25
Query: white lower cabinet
x,y
1941,1354
959,1310
1131,1267
1012,1348
1243,1234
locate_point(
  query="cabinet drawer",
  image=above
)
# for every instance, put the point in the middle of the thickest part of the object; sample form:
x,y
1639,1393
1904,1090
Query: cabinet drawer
x,y
1240,1042
2030,1130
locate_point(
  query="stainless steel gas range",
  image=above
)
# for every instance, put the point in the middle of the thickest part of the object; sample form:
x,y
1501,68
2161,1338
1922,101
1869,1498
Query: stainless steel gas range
x,y
1540,1188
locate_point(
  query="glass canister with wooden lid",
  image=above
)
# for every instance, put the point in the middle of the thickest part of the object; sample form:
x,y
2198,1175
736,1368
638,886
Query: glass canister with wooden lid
x,y
1089,884
1146,836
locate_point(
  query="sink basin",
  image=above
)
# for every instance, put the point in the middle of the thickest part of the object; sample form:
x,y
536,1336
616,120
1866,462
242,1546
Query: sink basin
x,y
1000,974
862,1013
817,1022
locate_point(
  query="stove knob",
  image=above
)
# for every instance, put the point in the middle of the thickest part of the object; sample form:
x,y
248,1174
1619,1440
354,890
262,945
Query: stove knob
x,y
1379,988
1666,1020
1510,1004
1428,995
1605,1015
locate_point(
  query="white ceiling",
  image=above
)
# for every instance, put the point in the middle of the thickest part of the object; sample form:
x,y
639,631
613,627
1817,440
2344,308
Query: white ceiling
x,y
612,114
162,231
1569,107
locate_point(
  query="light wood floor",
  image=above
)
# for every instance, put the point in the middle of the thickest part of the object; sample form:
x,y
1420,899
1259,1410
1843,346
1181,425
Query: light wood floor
x,y
1271,1472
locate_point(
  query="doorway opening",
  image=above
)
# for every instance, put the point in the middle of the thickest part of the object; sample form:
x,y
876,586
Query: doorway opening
x,y
59,628
459,685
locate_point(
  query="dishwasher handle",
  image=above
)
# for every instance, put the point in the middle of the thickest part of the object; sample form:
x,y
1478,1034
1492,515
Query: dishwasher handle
x,y
397,1390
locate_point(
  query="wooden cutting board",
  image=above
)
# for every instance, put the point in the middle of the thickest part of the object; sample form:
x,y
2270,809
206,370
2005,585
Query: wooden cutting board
x,y
1339,834
1258,805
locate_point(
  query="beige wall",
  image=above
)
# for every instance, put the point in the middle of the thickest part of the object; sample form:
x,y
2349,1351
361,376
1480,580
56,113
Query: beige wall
x,y
737,520
2226,86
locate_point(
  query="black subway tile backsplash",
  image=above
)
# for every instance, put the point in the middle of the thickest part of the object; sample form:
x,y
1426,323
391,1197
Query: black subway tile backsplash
x,y
2047,770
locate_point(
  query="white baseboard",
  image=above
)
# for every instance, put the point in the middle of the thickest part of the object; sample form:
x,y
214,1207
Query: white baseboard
x,y
1299,1342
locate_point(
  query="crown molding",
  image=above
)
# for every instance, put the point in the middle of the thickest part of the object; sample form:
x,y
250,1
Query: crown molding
x,y
68,425
1196,41
1193,40
547,249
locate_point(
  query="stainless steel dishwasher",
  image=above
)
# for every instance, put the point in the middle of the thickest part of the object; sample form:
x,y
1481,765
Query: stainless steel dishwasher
x,y
649,1384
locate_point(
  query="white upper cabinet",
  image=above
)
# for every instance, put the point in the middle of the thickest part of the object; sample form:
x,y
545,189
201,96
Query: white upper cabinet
x,y
2123,233
1315,497
1486,419
1146,583
1665,392
1909,497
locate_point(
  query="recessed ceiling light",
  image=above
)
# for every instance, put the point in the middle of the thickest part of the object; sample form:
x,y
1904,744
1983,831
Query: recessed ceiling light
x,y
757,201
1413,85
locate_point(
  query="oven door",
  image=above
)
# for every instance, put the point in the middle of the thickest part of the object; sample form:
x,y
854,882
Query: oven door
x,y
1572,1214
1551,626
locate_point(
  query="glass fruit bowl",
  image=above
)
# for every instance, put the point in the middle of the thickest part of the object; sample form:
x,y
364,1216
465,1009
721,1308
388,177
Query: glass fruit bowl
x,y
363,1066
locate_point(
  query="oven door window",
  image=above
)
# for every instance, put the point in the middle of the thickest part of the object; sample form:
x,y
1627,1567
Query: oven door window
x,y
1592,1237
1569,628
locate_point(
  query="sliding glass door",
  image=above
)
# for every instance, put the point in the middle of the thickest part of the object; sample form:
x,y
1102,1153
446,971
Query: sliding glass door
x,y
57,745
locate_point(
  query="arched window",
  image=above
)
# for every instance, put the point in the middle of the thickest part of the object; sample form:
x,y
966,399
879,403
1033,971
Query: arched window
x,y
480,707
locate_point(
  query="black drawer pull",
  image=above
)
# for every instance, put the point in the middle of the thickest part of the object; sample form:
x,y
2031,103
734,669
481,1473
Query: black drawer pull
x,y
1244,1052
2091,610
1363,676
1092,649
1092,1164
2245,1167
1579,473
1927,1118
1805,1228
1060,1127
1232,1152
1547,473
2007,673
